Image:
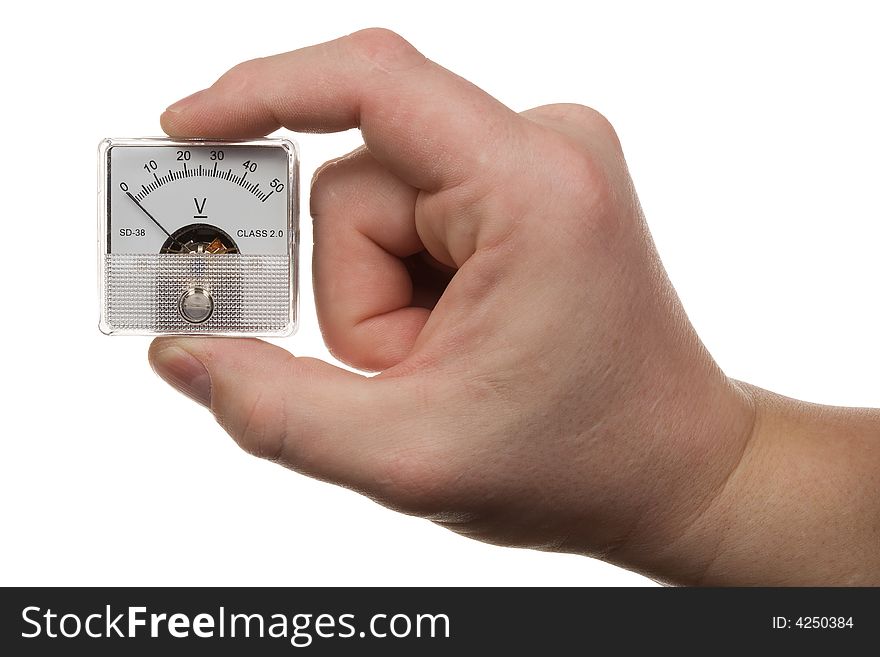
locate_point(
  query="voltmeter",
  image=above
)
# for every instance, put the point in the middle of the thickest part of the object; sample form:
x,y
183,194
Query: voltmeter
x,y
198,237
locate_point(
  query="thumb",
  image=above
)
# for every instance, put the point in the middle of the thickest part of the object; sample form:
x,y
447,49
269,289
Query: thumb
x,y
301,412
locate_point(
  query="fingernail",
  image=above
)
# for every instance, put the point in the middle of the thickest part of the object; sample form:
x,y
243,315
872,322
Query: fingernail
x,y
184,372
183,103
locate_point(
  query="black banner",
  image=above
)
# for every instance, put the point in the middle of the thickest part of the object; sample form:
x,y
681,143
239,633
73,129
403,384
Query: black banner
x,y
408,621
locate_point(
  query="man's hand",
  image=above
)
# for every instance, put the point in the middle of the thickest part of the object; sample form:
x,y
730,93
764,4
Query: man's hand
x,y
540,384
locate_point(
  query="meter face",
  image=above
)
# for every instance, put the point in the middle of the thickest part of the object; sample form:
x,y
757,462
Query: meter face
x,y
198,237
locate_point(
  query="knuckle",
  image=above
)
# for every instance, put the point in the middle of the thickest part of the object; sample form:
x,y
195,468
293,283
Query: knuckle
x,y
582,118
417,481
601,125
569,112
585,115
586,194
584,175
384,48
257,425
240,76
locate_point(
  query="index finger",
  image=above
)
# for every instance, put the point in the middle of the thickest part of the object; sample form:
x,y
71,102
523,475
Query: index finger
x,y
427,125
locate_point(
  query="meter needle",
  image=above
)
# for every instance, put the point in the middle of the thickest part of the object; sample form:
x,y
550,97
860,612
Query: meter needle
x,y
144,210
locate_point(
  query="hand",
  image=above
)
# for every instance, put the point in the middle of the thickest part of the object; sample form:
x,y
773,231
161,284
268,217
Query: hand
x,y
540,384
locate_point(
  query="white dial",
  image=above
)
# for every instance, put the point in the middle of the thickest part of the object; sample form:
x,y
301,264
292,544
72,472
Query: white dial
x,y
162,192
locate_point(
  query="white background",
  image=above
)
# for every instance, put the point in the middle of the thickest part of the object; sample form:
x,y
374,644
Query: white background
x,y
752,135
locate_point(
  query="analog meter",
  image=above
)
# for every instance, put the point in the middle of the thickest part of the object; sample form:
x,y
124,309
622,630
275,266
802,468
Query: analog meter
x,y
198,237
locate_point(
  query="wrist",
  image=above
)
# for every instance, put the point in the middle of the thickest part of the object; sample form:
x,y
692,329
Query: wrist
x,y
798,508
710,431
